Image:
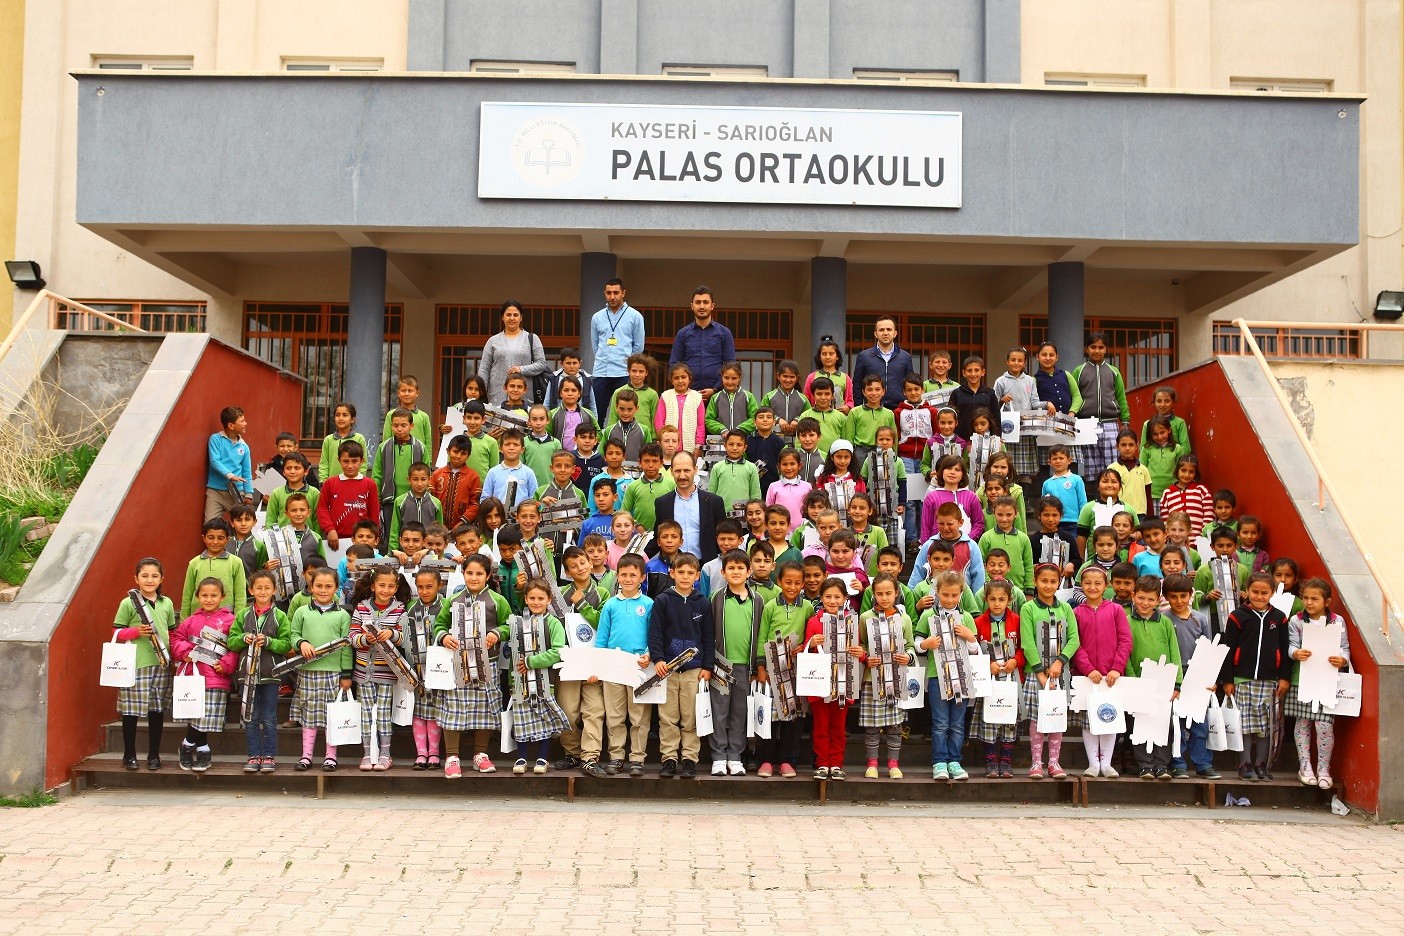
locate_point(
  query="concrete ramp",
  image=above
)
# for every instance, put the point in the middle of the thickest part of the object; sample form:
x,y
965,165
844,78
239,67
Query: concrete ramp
x,y
144,496
1246,442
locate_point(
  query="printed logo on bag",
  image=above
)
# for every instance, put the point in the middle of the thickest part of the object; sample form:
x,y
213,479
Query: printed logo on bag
x,y
584,633
347,723
913,687
1105,714
760,711
998,702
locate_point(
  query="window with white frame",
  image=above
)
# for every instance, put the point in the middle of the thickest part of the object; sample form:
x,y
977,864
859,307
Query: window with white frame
x,y
332,65
1072,80
716,71
144,63
902,76
521,68
1294,85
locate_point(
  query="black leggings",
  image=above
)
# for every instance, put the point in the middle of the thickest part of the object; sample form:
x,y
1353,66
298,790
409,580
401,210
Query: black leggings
x,y
155,722
196,738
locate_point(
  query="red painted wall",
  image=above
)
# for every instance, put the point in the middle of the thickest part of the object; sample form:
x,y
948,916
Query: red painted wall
x,y
1231,456
161,517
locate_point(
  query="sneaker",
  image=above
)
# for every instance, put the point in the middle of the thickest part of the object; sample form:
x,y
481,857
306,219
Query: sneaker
x,y
1245,772
787,771
1208,773
736,768
541,766
957,772
669,770
1307,777
894,772
689,770
719,768
1036,771
614,766
636,769
871,773
153,763
765,770
453,769
1055,771
1162,773
1324,781
566,763
1147,774
1262,771
367,763
1109,772
1093,771
593,769
130,763
836,773
483,764
187,756
285,692
203,759
821,773
940,772
520,766
383,763
251,767
1179,773
268,766
1006,770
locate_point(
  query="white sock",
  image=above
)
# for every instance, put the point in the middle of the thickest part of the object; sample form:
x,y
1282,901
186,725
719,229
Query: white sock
x,y
203,749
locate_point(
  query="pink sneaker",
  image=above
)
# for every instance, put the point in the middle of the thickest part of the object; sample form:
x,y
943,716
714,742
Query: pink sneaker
x,y
1056,772
1036,771
367,763
765,770
483,764
787,771
384,763
452,770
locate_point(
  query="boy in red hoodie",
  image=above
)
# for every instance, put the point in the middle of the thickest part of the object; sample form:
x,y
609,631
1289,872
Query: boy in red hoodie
x,y
347,498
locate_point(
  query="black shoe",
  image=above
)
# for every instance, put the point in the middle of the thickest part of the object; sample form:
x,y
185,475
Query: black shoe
x,y
1148,774
203,759
1262,771
153,763
1246,772
187,757
613,767
566,763
1162,773
1208,773
689,770
130,763
636,769
593,769
1179,773
670,769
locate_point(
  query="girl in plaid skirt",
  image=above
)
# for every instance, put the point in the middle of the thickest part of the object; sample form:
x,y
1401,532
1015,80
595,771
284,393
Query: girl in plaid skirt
x,y
998,630
418,636
1316,612
535,718
379,600
478,710
880,717
1256,672
153,685
209,596
319,681
1048,636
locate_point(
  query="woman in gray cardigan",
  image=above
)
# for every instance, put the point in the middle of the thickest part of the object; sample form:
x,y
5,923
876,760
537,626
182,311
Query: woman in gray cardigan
x,y
510,352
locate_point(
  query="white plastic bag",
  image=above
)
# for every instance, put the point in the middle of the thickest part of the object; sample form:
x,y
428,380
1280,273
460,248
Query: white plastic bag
x,y
1105,715
343,720
508,744
401,705
1349,688
439,669
980,676
703,709
1053,710
914,683
758,710
1233,725
1214,719
118,664
814,674
1008,424
188,696
1002,702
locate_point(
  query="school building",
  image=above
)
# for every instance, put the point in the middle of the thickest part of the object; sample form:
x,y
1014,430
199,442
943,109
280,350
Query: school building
x,y
365,181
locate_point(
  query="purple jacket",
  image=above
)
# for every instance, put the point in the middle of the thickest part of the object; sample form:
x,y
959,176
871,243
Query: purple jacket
x,y
964,498
1105,637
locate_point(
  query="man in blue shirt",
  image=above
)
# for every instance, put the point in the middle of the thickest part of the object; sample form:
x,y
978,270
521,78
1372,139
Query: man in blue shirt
x,y
704,344
616,331
884,359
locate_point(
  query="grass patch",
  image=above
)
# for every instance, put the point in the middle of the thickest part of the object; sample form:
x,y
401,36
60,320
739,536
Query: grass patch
x,y
15,567
31,800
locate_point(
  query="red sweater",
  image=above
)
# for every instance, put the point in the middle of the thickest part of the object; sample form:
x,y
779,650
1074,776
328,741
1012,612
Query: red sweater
x,y
1010,630
344,503
1194,500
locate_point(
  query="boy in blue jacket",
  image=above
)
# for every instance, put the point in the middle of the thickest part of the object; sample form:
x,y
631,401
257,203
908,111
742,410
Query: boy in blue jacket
x,y
229,481
681,618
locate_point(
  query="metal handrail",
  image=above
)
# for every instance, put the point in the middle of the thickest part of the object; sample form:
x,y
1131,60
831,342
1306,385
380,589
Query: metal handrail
x,y
1390,607
45,295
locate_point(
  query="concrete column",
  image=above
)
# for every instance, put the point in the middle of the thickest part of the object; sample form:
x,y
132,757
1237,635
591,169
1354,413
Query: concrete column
x,y
810,56
365,340
828,298
1002,44
428,20
595,268
619,37
1065,312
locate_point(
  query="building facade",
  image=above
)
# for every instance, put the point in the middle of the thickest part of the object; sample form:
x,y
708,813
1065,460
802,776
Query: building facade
x,y
1154,169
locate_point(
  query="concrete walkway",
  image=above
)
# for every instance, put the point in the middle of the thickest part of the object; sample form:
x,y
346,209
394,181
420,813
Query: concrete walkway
x,y
147,863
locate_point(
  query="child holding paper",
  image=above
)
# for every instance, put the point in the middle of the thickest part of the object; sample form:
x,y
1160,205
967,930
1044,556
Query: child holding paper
x,y
1152,637
1190,625
1104,646
998,630
1045,625
1255,673
623,625
1316,612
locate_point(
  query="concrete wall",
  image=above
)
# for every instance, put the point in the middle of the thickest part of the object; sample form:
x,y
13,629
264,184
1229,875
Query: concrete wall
x,y
11,82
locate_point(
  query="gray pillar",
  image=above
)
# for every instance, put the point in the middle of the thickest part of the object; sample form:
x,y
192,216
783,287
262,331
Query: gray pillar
x,y
595,268
619,37
428,20
811,40
828,298
1002,48
1065,312
365,340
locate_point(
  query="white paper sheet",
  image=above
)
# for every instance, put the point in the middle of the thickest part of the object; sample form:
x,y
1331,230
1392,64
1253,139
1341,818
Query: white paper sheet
x,y
1081,689
1086,431
658,695
1133,692
454,420
1102,513
266,482
1318,677
1204,548
612,666
334,556
917,486
1152,724
1200,675
1283,600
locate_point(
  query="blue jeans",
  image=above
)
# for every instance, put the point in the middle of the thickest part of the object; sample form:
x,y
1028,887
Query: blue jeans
x,y
262,731
947,725
911,519
1194,743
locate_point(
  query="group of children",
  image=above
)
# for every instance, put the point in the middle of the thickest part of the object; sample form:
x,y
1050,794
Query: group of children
x,y
1068,578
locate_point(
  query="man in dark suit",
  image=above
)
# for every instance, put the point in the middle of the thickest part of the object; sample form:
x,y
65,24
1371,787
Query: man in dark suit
x,y
698,511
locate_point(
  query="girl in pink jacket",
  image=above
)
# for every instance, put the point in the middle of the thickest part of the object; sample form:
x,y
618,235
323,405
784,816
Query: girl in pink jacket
x,y
1105,636
209,594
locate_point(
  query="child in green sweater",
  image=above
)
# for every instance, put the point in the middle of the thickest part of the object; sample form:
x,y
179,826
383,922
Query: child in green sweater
x,y
1152,637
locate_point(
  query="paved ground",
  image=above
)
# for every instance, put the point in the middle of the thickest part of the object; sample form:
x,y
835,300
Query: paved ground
x,y
131,862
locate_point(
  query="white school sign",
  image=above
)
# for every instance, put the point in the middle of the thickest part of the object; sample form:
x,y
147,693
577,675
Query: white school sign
x,y
667,153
